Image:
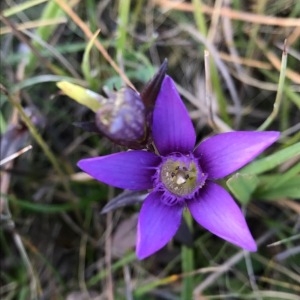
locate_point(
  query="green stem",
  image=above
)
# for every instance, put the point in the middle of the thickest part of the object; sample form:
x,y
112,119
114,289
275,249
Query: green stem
x,y
187,264
278,99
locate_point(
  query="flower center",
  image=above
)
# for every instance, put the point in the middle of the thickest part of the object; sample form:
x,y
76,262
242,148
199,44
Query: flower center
x,y
181,175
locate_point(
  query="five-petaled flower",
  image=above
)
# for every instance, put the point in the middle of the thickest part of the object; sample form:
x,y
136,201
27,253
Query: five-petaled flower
x,y
180,175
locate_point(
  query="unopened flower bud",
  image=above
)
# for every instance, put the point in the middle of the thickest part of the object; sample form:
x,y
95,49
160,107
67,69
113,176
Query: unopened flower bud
x,y
122,118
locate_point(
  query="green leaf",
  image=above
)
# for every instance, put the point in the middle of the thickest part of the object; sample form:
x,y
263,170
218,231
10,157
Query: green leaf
x,y
272,161
290,189
242,186
41,208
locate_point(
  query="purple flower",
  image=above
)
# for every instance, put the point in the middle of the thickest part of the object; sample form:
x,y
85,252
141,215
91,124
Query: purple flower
x,y
182,176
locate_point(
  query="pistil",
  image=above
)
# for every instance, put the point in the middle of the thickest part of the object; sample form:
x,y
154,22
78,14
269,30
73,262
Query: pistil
x,y
181,175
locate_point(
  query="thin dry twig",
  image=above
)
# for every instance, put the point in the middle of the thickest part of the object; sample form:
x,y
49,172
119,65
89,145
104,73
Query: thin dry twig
x,y
228,34
232,14
243,60
208,90
287,253
33,24
294,36
15,155
214,20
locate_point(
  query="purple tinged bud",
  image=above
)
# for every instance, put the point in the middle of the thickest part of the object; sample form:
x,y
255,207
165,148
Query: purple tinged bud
x,y
16,135
126,117
122,118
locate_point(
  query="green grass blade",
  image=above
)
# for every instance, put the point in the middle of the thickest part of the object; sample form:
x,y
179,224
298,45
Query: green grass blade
x,y
272,161
278,99
85,64
40,208
187,264
21,7
124,6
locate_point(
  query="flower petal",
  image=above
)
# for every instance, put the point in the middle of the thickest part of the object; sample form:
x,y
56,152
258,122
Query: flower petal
x,y
224,153
172,128
157,224
131,170
216,211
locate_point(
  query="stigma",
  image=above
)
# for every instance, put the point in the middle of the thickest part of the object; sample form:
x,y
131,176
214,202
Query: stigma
x,y
181,175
